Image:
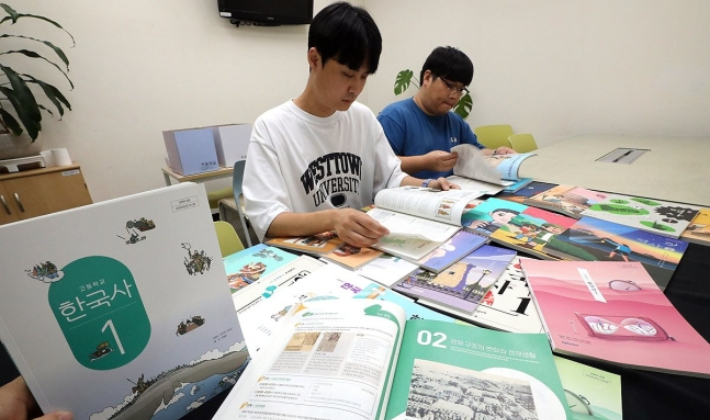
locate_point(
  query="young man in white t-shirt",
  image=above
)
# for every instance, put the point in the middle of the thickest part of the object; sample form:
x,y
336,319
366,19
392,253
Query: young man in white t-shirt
x,y
313,162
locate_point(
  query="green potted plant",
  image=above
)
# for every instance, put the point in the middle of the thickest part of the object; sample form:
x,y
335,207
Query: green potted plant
x,y
404,80
20,109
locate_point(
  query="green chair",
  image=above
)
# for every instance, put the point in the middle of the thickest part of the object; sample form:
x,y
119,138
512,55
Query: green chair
x,y
229,241
522,143
494,136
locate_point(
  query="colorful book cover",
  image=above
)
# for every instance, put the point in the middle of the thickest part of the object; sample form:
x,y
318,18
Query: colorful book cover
x,y
248,265
352,257
486,217
656,216
468,184
413,310
519,196
515,186
460,245
387,269
507,306
566,199
451,371
534,231
462,285
267,285
118,310
591,393
613,311
592,239
698,231
318,245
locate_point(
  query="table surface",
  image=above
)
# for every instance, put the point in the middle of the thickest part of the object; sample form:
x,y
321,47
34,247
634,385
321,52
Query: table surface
x,y
674,169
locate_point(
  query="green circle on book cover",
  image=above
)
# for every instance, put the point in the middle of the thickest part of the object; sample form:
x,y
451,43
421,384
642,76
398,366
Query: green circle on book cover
x,y
100,312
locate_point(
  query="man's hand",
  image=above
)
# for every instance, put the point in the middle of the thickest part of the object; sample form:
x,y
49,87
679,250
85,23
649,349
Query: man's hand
x,y
357,228
440,161
504,151
16,403
443,184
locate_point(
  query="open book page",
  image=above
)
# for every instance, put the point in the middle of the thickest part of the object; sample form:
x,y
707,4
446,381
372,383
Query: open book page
x,y
454,371
468,184
406,226
331,360
473,163
442,206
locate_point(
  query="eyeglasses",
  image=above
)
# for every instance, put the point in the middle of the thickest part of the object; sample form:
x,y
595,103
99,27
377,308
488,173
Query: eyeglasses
x,y
453,89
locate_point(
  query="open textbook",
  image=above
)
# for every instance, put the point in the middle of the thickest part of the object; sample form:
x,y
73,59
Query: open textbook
x,y
362,360
420,219
498,169
120,309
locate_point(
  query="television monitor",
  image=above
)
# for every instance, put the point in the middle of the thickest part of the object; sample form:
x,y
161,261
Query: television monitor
x,y
267,12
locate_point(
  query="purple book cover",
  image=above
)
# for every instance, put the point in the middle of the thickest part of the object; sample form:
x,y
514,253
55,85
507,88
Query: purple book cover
x,y
460,245
462,285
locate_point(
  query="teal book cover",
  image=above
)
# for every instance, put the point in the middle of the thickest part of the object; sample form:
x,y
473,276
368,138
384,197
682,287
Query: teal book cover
x,y
449,370
249,265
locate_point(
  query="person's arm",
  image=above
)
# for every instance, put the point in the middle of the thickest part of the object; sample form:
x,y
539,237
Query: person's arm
x,y
17,403
352,226
437,184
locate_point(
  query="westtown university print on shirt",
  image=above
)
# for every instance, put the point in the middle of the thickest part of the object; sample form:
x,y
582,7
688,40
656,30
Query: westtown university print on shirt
x,y
333,177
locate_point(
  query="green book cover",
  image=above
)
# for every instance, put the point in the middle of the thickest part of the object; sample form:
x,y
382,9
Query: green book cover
x,y
447,370
591,393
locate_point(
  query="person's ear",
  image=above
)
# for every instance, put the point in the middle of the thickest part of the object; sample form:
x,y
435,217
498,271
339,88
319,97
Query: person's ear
x,y
313,57
428,78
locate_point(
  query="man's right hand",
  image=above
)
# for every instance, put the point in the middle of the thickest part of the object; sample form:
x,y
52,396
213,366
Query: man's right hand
x,y
441,161
357,228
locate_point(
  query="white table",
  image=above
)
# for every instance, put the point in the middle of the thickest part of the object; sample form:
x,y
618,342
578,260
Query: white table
x,y
674,169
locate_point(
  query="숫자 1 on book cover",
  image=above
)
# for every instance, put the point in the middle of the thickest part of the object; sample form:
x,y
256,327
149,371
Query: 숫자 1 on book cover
x,y
120,309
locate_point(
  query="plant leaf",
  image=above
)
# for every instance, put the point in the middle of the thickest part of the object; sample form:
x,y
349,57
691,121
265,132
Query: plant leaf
x,y
13,15
33,54
24,102
10,121
52,93
401,83
463,108
56,49
44,108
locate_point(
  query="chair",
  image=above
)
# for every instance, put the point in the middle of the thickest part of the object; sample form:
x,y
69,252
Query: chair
x,y
235,202
522,143
494,136
229,241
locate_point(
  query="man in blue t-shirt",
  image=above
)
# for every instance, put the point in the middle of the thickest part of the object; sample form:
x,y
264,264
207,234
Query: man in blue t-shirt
x,y
422,130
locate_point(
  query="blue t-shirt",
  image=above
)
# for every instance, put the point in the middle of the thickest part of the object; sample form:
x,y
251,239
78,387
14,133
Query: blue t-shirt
x,y
411,132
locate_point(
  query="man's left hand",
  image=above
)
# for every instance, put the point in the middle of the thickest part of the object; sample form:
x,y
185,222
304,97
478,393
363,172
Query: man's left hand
x,y
443,184
504,151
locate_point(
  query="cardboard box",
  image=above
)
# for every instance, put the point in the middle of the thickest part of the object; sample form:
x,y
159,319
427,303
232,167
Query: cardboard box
x,y
232,142
191,151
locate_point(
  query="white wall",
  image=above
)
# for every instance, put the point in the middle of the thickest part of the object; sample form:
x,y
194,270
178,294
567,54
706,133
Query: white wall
x,y
555,68
559,68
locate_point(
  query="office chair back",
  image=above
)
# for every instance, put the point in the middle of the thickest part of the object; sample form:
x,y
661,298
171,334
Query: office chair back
x,y
237,180
522,143
229,241
494,136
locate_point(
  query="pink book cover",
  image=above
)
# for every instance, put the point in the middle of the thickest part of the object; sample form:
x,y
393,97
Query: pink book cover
x,y
614,311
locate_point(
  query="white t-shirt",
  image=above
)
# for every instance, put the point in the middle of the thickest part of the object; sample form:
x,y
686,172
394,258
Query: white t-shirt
x,y
301,163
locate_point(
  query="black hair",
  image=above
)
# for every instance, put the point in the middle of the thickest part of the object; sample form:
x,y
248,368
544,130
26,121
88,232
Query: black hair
x,y
449,63
503,209
347,34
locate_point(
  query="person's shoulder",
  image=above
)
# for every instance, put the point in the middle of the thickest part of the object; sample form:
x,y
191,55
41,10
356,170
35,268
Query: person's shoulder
x,y
398,108
275,113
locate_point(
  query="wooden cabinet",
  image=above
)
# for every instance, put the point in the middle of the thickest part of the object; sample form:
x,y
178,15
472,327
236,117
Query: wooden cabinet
x,y
32,193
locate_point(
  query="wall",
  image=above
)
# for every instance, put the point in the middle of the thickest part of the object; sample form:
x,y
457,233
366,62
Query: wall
x,y
553,68
559,68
